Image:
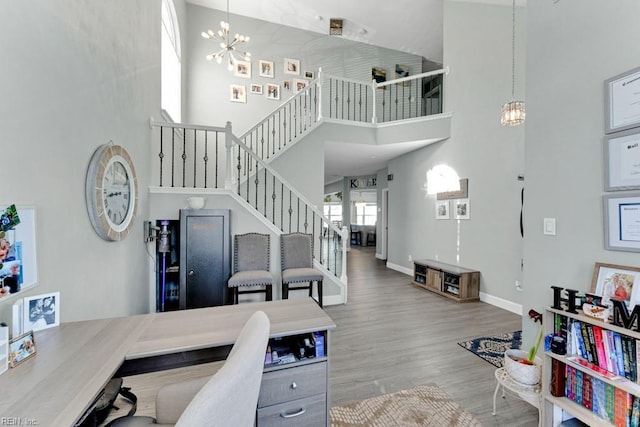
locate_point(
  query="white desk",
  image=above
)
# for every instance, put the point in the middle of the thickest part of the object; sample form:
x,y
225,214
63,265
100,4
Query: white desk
x,y
75,360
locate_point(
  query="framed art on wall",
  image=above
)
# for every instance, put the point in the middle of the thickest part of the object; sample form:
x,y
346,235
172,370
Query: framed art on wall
x,y
266,68
622,108
622,161
622,222
242,69
273,91
442,209
256,89
462,209
292,66
238,93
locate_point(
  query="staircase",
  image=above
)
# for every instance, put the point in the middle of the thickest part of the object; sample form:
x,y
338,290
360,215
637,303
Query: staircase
x,y
208,160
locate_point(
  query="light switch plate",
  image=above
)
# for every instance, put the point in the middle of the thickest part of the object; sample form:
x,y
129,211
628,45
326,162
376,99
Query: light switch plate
x,y
549,226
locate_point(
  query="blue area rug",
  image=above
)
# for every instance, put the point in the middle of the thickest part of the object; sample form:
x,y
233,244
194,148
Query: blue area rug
x,y
492,348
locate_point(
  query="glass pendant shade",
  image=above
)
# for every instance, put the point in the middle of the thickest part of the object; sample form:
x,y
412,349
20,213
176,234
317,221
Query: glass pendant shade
x,y
513,113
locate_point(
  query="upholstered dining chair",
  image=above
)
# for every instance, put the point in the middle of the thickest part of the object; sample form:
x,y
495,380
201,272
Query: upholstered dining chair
x,y
296,259
251,261
228,398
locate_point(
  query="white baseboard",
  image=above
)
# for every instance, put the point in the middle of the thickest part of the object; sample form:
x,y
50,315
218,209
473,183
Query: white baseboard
x,y
379,256
401,269
332,300
501,303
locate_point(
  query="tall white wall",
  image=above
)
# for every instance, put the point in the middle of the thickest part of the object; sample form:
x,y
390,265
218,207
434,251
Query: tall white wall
x,y
572,48
76,75
479,149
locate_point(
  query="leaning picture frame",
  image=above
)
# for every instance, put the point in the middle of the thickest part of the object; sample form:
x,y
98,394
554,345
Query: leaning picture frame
x,y
621,219
21,348
616,281
622,160
622,101
41,311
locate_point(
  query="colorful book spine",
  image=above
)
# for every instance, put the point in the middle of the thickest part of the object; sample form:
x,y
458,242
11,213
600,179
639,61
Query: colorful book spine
x,y
599,403
597,339
587,391
581,350
609,402
617,342
621,412
635,413
587,342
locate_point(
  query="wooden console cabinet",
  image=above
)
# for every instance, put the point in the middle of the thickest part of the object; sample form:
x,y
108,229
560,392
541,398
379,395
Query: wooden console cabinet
x,y
452,281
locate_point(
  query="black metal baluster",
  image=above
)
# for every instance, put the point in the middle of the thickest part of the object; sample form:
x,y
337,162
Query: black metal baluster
x,y
195,157
161,154
281,206
290,209
265,192
173,155
273,200
217,160
184,156
256,181
206,156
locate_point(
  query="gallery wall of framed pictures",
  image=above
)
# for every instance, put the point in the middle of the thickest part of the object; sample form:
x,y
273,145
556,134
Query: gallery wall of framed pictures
x,y
267,70
622,162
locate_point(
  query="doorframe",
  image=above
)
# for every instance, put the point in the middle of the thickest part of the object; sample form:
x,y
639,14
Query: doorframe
x,y
384,227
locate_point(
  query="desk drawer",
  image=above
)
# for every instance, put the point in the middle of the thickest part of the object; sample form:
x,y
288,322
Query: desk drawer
x,y
311,411
292,383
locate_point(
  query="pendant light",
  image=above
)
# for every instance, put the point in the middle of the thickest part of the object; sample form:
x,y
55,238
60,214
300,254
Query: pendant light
x,y
227,45
513,112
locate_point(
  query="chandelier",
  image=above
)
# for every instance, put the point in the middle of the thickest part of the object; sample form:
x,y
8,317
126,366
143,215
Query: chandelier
x,y
513,112
227,45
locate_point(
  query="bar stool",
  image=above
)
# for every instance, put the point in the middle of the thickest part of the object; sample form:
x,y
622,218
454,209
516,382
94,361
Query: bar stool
x,y
371,239
356,237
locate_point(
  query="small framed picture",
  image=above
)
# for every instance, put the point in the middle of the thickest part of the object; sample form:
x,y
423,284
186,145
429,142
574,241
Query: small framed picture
x,y
300,84
292,66
462,209
21,348
238,93
256,89
378,74
622,161
621,219
41,311
286,84
442,209
401,72
309,75
616,281
266,68
242,69
273,91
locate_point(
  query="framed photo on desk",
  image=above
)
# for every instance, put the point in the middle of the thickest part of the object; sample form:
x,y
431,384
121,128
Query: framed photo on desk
x,y
21,348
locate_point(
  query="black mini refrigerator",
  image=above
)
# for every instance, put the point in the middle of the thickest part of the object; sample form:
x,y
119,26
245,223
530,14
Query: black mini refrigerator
x,y
205,262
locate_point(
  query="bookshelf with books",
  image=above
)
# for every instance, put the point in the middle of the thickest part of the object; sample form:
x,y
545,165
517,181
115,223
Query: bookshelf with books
x,y
597,380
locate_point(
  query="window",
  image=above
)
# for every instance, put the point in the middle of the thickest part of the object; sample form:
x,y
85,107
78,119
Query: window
x,y
333,211
171,77
366,213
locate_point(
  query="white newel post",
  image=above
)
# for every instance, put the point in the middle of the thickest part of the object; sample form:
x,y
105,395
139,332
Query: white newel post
x,y
343,274
319,92
228,144
374,85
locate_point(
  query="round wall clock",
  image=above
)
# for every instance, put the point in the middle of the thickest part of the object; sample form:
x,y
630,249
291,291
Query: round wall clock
x,y
111,191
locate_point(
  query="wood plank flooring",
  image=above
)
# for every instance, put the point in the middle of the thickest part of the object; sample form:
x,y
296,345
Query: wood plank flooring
x,y
391,336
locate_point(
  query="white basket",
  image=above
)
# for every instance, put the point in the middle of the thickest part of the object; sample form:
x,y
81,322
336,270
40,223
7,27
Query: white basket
x,y
520,372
